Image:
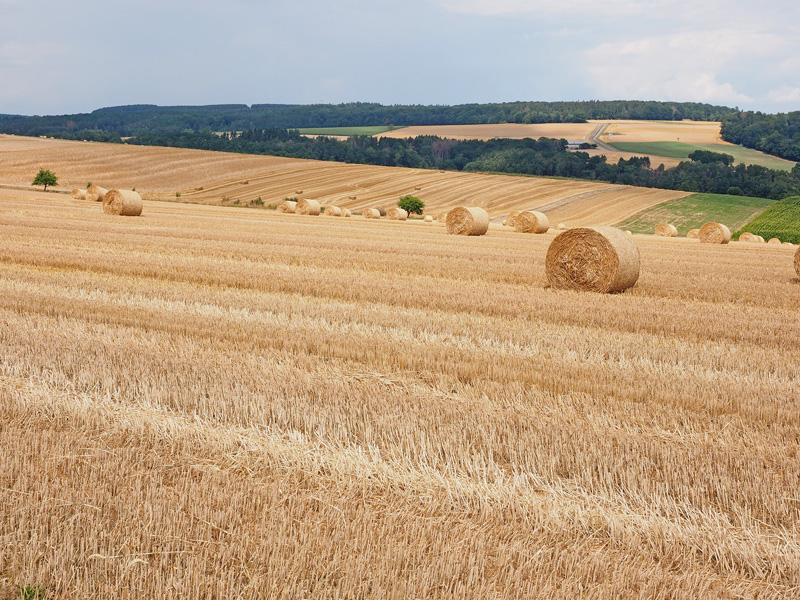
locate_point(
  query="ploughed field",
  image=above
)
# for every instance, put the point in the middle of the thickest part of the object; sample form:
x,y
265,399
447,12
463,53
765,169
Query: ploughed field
x,y
205,177
220,403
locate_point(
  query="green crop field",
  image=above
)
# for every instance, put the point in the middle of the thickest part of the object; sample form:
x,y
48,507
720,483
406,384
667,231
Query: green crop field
x,y
781,220
693,211
346,131
680,150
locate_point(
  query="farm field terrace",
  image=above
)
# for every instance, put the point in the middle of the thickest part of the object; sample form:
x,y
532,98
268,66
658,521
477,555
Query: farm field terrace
x,y
208,402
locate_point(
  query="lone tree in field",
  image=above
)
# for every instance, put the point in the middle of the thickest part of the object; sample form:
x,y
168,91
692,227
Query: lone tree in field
x,y
45,177
411,204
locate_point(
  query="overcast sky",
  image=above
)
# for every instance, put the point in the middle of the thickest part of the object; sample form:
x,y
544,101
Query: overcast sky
x,y
61,57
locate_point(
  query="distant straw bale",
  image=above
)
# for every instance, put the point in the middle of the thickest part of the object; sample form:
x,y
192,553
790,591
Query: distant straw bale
x,y
510,218
95,193
714,233
308,207
442,217
693,234
561,227
760,239
531,221
467,220
396,214
774,241
592,259
788,244
666,230
333,211
298,191
797,262
78,194
747,237
371,213
428,219
287,206
628,232
125,203
346,212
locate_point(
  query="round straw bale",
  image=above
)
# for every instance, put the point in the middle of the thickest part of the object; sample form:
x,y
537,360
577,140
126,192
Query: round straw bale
x,y
298,191
592,259
774,241
797,262
371,213
442,217
561,227
396,214
307,207
531,221
628,232
78,194
333,211
95,193
467,220
510,218
666,230
428,219
122,202
693,234
714,233
287,206
760,239
788,244
747,237
346,212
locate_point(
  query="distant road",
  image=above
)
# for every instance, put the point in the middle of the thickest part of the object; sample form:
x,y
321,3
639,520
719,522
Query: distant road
x,y
598,131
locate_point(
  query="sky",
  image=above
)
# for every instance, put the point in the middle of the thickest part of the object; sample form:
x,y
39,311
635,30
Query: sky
x,y
61,57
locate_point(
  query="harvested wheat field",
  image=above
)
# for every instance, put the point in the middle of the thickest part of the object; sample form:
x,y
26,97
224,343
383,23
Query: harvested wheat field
x,y
219,178
246,404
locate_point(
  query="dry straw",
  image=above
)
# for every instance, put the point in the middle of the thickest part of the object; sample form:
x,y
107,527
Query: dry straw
x,y
78,194
333,211
666,230
531,221
774,242
95,193
693,234
287,206
396,214
510,218
797,262
467,220
308,207
125,203
371,213
714,233
592,259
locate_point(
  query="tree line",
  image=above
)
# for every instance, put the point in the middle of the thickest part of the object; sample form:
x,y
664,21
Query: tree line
x,y
124,121
774,134
708,172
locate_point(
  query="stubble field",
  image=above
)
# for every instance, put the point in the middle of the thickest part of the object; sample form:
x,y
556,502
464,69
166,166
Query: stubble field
x,y
214,403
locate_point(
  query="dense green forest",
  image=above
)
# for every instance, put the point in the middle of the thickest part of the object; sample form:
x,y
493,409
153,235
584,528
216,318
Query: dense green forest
x,y
774,134
705,172
126,121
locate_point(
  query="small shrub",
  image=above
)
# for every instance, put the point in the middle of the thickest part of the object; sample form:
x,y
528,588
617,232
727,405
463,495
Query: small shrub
x,y
177,194
257,202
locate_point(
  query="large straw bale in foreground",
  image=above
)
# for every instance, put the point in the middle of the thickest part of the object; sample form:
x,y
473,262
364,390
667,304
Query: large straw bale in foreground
x,y
125,203
666,230
714,233
287,206
333,211
307,207
797,262
371,213
78,194
592,259
396,214
510,218
95,193
693,234
467,220
531,221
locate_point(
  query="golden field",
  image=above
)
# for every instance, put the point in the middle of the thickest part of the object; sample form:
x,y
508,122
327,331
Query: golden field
x,y
208,402
223,178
